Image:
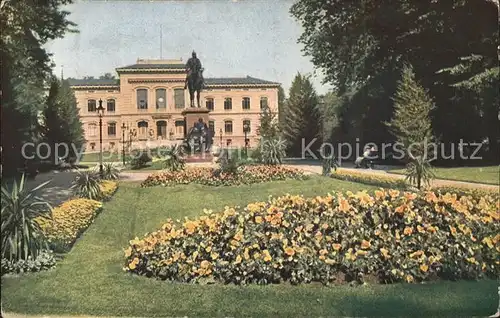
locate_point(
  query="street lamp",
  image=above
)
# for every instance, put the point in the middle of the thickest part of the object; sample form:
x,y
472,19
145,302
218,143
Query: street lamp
x,y
123,142
220,134
100,112
245,130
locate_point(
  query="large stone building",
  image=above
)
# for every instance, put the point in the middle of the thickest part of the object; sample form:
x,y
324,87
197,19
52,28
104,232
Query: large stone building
x,y
149,98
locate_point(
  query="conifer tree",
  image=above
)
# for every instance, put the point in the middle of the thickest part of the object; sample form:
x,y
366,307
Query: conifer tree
x,y
301,122
411,125
61,118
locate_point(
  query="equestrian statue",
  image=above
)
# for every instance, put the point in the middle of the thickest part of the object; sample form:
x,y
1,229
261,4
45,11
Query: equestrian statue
x,y
194,79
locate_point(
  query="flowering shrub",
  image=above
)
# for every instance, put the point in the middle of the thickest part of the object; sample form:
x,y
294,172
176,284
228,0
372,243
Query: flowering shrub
x,y
44,261
370,179
392,236
68,221
108,188
213,177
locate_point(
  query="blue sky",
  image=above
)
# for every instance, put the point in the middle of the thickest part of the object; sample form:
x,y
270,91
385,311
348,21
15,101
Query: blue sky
x,y
232,38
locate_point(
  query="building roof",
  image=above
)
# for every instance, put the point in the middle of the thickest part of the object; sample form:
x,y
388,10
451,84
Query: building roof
x,y
209,82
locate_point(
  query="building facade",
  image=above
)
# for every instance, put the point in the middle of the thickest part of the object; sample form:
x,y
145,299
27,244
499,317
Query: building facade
x,y
144,106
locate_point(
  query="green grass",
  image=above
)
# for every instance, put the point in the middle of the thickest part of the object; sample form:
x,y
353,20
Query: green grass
x,y
90,279
106,157
487,175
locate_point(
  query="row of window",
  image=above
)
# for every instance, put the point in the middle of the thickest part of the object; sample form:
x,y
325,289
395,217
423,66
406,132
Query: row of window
x,y
161,126
161,101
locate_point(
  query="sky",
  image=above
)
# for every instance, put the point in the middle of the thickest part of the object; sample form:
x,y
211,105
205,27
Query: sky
x,y
232,38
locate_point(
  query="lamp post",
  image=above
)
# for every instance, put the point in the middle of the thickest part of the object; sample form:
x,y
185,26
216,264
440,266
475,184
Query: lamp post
x,y
245,130
123,142
100,112
220,134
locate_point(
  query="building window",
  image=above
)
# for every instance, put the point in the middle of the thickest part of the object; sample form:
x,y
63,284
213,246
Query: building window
x,y
92,130
92,146
228,103
161,98
179,127
246,122
143,128
263,103
228,127
112,145
111,129
210,104
229,142
110,105
142,98
91,105
179,98
161,129
245,103
211,126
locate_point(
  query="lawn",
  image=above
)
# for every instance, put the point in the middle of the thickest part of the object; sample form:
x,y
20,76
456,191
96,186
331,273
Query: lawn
x,y
489,175
90,279
106,157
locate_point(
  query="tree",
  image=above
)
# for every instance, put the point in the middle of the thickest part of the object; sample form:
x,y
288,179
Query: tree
x,y
281,103
301,117
24,68
411,125
107,76
61,120
361,47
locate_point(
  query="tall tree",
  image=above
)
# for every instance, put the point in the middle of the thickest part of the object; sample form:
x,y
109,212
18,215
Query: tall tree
x,y
25,66
301,117
61,119
281,103
362,46
107,76
411,125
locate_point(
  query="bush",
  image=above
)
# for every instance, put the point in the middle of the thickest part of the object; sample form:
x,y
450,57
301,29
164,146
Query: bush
x,y
108,188
174,160
370,179
139,159
67,221
44,261
110,171
22,238
213,177
392,236
87,185
273,151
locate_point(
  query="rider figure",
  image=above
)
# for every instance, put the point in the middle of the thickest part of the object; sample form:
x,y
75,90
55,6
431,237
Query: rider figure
x,y
192,65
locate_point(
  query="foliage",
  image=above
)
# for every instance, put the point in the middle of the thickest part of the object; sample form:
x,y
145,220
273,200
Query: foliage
x,y
87,184
110,171
25,69
139,159
67,221
228,164
61,119
392,236
174,160
273,151
360,47
209,176
329,164
301,117
380,180
269,126
419,172
108,188
21,235
44,261
411,125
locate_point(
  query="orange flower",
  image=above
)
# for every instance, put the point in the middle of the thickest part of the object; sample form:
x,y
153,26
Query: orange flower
x,y
336,246
344,205
365,244
407,231
401,209
424,268
453,230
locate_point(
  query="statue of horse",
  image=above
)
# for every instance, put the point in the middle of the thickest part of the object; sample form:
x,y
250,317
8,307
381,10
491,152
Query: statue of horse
x,y
195,84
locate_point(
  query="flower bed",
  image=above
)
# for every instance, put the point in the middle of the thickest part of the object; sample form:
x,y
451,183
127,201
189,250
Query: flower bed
x,y
370,179
210,176
67,222
108,188
392,236
44,261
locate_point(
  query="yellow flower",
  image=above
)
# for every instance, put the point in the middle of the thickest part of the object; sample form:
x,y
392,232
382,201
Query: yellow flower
x,y
329,261
238,260
384,252
336,246
289,251
424,268
128,252
323,252
344,205
416,254
362,253
256,255
409,279
488,242
205,264
258,219
267,256
133,264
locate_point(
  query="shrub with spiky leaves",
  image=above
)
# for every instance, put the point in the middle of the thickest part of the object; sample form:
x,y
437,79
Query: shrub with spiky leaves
x,y
174,160
87,185
110,171
22,237
273,151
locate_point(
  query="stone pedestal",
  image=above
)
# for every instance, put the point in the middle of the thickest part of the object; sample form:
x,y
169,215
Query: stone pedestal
x,y
192,115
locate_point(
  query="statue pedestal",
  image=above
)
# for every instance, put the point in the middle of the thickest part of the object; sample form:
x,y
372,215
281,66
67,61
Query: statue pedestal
x,y
192,115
